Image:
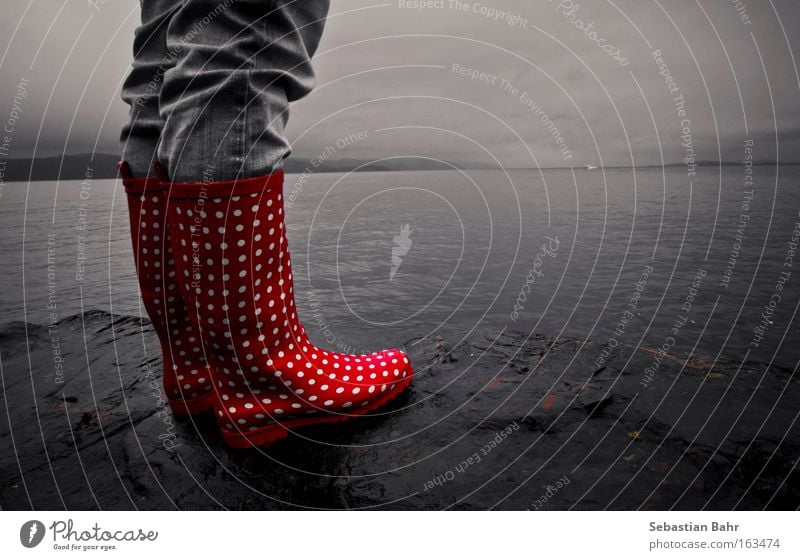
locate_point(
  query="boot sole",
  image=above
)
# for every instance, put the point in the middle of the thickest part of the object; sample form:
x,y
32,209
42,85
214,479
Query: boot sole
x,y
192,407
273,432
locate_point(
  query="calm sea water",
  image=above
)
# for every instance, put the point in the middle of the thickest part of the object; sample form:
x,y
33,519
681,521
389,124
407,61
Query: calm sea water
x,y
471,256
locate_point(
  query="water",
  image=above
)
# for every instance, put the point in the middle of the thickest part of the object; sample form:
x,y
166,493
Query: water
x,y
473,241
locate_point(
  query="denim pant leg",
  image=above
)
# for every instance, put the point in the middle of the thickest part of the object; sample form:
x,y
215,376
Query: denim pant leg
x,y
141,134
225,101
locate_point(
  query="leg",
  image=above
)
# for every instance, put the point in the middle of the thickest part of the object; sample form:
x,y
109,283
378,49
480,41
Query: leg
x,y
225,108
225,101
187,379
141,134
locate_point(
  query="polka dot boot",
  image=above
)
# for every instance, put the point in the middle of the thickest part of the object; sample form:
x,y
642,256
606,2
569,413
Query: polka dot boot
x,y
234,270
187,379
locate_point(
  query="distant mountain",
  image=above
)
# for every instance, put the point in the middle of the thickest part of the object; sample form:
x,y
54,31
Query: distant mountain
x,y
104,166
68,167
712,163
299,165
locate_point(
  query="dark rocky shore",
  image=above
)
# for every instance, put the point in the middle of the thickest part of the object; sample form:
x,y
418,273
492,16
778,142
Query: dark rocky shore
x,y
504,421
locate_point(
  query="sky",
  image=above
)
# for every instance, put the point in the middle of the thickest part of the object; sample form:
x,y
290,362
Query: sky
x,y
516,83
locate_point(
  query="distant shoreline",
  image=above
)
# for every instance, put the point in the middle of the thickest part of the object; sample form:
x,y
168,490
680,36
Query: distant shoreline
x,y
79,167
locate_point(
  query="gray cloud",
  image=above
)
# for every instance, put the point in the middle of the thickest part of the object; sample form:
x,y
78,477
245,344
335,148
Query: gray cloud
x,y
382,66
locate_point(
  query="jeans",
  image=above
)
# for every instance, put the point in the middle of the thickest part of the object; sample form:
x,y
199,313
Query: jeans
x,y
211,84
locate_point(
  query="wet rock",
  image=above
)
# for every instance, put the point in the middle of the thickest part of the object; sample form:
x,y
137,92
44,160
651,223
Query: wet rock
x,y
503,421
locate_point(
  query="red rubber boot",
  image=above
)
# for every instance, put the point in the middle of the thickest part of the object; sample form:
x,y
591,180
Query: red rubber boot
x,y
187,376
234,268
